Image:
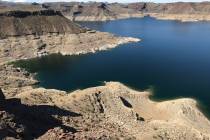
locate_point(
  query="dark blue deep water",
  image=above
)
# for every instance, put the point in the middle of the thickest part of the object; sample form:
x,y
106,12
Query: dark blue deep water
x,y
173,59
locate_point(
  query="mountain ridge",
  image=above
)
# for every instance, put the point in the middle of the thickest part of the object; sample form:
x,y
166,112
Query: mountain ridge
x,y
93,11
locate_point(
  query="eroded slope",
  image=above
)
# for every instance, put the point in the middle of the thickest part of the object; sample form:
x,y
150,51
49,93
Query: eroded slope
x,y
112,111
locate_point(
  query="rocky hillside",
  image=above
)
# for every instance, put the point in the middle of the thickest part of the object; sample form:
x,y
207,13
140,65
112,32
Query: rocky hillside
x,y
105,11
18,23
93,11
28,33
112,111
175,11
172,8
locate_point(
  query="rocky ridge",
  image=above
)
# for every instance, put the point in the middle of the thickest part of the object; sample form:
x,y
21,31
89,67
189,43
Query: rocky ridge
x,y
182,11
93,11
112,111
22,23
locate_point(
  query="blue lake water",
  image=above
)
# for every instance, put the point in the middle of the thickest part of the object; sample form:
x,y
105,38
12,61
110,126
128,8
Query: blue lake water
x,y
173,59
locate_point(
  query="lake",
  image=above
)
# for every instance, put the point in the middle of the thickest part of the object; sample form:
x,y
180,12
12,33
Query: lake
x,y
172,60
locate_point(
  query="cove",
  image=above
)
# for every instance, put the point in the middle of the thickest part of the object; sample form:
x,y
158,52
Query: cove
x,y
173,59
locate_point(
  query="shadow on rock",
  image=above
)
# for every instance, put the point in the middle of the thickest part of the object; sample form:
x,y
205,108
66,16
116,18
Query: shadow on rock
x,y
29,122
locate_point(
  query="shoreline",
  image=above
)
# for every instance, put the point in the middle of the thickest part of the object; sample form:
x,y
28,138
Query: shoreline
x,y
64,44
116,99
157,16
92,51
105,18
151,95
89,42
181,17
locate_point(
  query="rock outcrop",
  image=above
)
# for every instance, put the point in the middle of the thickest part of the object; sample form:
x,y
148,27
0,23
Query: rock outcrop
x,y
12,80
112,111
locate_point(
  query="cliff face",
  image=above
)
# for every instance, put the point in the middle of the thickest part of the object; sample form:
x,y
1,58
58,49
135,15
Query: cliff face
x,y
104,11
18,23
93,11
175,11
172,8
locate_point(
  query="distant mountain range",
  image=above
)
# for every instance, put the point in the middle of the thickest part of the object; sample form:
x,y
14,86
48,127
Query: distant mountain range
x,y
93,11
106,11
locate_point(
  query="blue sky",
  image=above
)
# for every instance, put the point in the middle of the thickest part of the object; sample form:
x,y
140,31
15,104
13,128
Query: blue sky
x,y
122,1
